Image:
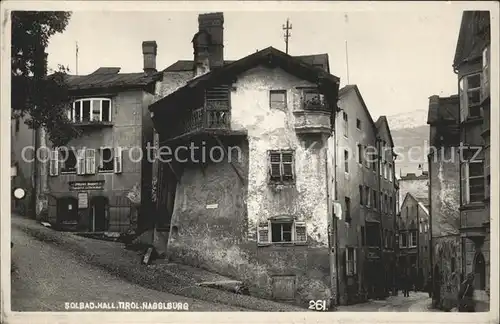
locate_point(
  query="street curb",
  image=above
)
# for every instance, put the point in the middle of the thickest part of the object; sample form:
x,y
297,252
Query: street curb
x,y
149,278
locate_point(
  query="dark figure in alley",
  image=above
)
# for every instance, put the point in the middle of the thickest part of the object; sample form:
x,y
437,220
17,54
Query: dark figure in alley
x,y
406,284
465,294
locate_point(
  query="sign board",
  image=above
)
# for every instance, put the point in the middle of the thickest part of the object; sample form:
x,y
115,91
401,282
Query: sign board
x,y
212,206
86,185
83,200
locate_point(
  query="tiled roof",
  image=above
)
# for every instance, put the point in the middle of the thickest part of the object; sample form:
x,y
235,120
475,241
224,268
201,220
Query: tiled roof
x,y
346,89
268,55
316,59
109,77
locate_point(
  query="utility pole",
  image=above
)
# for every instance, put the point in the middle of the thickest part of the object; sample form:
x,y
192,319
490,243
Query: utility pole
x,y
287,35
76,63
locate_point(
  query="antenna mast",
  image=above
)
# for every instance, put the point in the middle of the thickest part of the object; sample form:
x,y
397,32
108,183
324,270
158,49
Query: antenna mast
x,y
76,58
346,50
287,35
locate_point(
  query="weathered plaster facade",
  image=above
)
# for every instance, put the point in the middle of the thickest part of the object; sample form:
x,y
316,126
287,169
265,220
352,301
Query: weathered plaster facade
x,y
224,239
416,184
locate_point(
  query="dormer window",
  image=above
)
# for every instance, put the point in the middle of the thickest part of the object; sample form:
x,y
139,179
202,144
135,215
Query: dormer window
x,y
90,110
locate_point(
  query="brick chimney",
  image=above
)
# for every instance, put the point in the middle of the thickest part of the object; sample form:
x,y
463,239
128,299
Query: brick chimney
x,y
213,24
149,49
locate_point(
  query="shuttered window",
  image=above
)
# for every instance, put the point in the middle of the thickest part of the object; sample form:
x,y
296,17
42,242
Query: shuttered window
x,y
473,180
80,162
118,161
281,231
54,162
90,163
281,166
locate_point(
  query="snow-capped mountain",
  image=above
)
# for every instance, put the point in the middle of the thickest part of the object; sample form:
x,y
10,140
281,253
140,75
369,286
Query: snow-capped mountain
x,y
410,119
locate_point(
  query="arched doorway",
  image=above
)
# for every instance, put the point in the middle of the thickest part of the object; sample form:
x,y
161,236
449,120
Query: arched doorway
x,y
479,272
67,211
99,220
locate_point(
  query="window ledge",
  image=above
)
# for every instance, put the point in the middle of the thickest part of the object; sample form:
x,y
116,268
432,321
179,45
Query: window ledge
x,y
106,171
68,172
281,185
92,124
282,244
472,206
472,120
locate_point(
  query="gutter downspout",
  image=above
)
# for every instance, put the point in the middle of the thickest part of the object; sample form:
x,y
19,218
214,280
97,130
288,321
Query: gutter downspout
x,y
335,231
379,198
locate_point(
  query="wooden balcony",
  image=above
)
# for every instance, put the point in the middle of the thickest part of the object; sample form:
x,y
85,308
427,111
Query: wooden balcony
x,y
213,117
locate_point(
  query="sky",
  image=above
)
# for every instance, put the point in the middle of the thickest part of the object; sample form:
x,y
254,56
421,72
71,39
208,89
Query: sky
x,y
397,58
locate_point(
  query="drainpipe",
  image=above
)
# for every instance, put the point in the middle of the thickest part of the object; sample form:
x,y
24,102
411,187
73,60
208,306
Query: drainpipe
x,y
418,240
335,237
379,197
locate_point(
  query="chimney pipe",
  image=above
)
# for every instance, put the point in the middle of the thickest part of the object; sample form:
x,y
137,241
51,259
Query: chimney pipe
x,y
149,50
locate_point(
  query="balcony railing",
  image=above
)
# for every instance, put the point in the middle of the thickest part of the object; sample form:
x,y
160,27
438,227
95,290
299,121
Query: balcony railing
x,y
314,105
214,114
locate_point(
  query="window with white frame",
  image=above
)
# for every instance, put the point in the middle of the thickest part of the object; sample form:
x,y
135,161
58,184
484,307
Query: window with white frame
x,y
90,109
413,239
281,166
389,169
473,181
470,96
350,260
281,230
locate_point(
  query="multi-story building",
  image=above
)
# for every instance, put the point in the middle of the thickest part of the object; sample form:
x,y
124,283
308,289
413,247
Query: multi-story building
x,y
260,209
472,66
414,239
444,199
101,181
415,183
365,188
459,192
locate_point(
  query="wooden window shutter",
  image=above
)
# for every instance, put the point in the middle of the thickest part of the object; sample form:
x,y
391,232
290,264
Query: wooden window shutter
x,y
263,233
80,161
54,162
300,232
118,160
90,161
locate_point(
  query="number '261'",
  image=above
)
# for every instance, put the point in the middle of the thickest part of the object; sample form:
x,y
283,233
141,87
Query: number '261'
x,y
319,305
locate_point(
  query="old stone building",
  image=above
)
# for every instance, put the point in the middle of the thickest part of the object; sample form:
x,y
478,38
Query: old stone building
x,y
444,197
257,205
101,181
472,66
366,189
459,192
414,240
